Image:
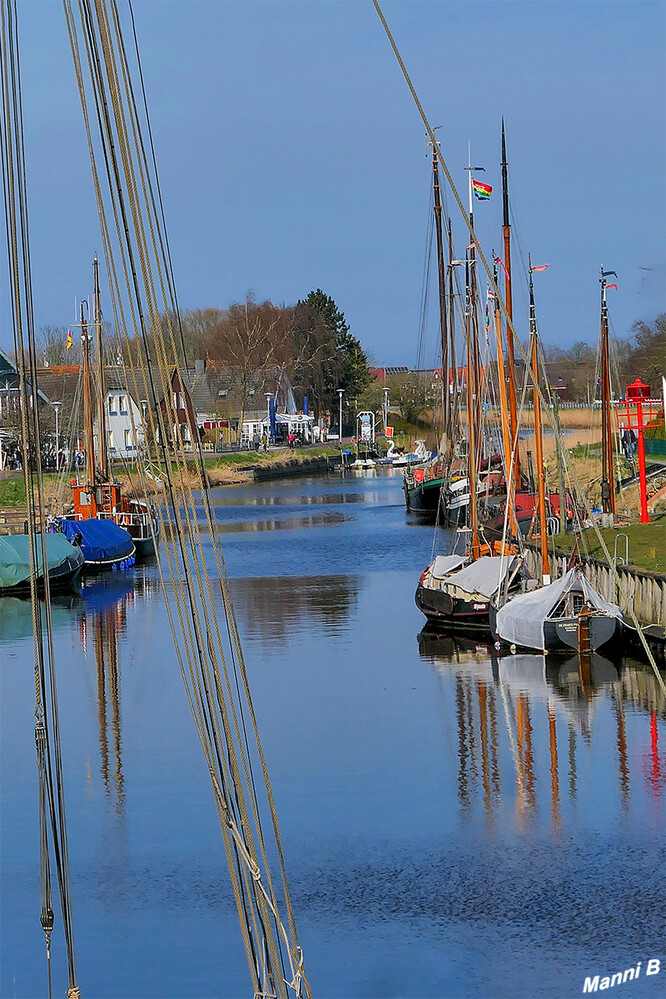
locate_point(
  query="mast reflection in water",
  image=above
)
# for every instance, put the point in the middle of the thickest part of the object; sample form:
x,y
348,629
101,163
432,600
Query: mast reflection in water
x,y
536,707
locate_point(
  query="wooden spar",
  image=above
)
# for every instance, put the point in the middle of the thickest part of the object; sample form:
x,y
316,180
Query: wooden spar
x,y
451,313
607,477
541,489
474,330
471,460
101,415
446,401
511,363
87,408
506,435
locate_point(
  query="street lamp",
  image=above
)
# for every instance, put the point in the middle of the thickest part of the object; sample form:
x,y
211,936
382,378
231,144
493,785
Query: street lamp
x,y
340,393
386,406
269,396
56,406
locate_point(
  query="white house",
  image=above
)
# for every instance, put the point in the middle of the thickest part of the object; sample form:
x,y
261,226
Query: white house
x,y
123,416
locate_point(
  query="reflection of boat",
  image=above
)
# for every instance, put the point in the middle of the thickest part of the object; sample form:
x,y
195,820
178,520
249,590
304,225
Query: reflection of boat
x,y
567,614
64,562
16,615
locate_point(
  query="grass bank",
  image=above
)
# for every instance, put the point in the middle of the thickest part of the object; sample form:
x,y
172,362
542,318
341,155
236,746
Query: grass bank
x,y
647,543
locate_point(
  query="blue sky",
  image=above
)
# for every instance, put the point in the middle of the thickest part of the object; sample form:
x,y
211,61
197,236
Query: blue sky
x,y
292,157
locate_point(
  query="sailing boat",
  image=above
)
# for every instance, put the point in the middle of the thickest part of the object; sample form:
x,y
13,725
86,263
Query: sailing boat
x,y
91,526
454,590
98,496
569,613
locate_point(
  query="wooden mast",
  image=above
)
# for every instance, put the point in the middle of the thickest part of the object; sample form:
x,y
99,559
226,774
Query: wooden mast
x,y
511,363
452,340
471,385
87,408
101,414
607,477
446,400
506,434
474,332
541,490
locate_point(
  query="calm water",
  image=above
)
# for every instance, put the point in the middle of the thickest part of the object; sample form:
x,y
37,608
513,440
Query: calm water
x,y
453,826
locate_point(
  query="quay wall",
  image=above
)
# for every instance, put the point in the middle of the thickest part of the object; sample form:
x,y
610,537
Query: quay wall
x,y
640,589
296,466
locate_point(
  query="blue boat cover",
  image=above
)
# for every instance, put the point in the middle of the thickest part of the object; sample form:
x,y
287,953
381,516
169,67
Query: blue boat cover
x,y
15,557
101,540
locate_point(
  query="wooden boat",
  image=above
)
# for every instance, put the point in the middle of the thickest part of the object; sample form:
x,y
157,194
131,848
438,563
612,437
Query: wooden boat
x,y
95,494
568,614
455,591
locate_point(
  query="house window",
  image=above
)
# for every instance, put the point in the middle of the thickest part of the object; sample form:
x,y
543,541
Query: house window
x,y
223,393
109,441
122,405
113,407
128,440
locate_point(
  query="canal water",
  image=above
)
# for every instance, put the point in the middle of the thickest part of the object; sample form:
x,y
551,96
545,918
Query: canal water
x,y
453,826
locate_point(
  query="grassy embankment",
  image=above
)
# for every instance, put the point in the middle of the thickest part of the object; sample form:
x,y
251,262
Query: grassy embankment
x,y
222,469
647,543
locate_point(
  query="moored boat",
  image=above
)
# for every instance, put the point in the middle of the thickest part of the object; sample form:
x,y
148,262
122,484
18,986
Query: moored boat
x,y
103,543
64,562
456,592
568,614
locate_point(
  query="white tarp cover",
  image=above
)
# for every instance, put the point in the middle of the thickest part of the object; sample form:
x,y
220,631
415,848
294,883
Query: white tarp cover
x,y
483,576
444,564
520,621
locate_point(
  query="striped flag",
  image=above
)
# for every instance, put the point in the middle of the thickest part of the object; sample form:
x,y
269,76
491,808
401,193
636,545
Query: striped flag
x,y
69,341
481,191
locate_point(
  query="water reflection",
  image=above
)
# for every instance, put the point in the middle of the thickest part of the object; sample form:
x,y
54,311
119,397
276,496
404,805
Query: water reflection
x,y
277,609
16,615
282,524
522,703
103,607
237,498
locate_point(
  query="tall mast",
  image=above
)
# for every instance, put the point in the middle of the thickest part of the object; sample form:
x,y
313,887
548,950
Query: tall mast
x,y
472,285
541,490
506,435
452,339
101,416
446,402
87,408
471,461
607,478
511,363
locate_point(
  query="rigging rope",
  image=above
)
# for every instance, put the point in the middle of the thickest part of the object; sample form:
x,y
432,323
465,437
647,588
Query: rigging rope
x,y
210,660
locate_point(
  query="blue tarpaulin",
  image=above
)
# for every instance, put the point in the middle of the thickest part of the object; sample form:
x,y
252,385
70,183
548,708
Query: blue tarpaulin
x,y
101,541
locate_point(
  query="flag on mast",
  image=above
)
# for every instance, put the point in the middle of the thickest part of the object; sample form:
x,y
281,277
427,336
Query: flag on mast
x,y
69,341
481,191
541,267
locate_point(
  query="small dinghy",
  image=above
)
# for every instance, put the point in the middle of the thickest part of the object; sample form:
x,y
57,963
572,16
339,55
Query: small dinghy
x,y
103,543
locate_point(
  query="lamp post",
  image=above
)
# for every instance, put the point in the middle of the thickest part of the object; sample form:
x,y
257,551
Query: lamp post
x,y
268,414
56,406
340,394
386,405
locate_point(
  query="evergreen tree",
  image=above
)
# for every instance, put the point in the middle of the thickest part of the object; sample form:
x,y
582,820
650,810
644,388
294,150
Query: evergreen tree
x,y
348,367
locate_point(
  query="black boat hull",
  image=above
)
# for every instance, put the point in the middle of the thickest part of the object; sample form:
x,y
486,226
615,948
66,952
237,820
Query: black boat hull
x,y
446,611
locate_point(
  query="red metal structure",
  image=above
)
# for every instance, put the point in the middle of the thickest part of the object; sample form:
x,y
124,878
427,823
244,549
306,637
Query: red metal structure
x,y
640,412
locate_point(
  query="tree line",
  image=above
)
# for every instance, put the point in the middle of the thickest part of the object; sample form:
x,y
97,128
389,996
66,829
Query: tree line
x,y
310,342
